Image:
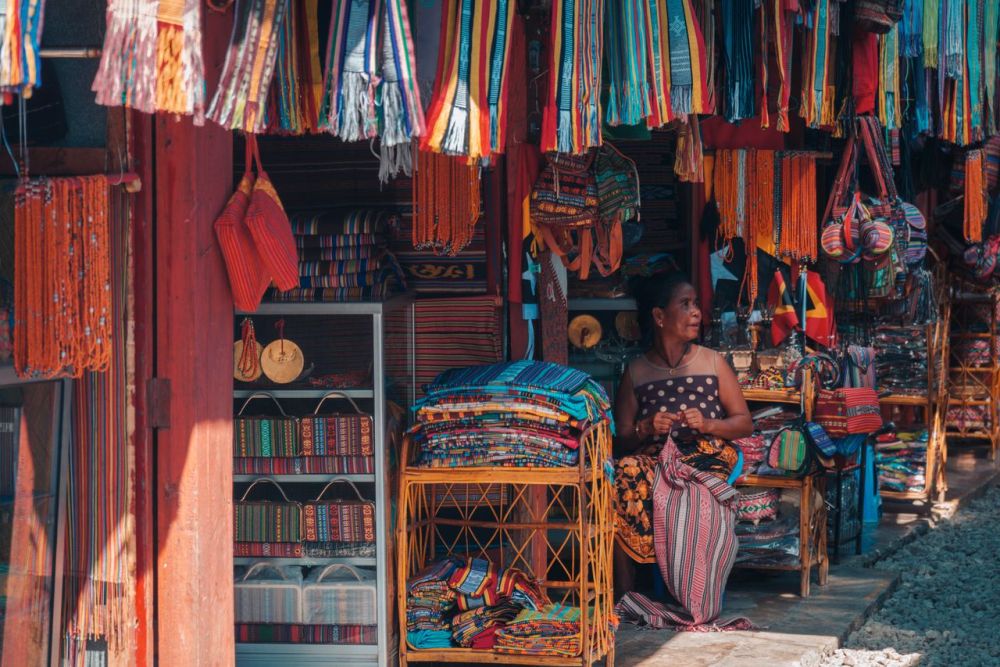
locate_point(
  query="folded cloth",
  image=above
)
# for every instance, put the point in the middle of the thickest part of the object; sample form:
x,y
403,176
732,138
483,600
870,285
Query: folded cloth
x,y
468,625
429,639
553,630
334,222
476,578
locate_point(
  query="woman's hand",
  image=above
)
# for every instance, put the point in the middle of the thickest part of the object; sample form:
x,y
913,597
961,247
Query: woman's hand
x,y
694,419
658,424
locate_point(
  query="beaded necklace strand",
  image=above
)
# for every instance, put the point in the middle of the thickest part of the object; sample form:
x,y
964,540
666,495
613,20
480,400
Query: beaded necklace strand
x,y
446,203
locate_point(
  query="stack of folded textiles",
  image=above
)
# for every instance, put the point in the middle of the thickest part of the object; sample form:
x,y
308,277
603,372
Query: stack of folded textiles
x,y
343,257
552,630
768,542
521,413
467,603
901,461
901,359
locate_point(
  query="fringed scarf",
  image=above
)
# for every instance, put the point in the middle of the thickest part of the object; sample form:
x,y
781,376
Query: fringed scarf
x,y
889,98
20,59
706,21
952,38
911,29
991,22
658,59
763,61
351,75
240,101
625,46
297,89
816,107
571,122
974,85
151,58
467,114
783,23
688,88
976,196
738,24
402,114
932,10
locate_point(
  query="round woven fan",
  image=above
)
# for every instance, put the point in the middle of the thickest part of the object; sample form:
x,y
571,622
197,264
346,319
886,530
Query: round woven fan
x,y
585,331
627,325
282,361
243,371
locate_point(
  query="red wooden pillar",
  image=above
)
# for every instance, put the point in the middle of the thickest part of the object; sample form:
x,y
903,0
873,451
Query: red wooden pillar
x,y
194,325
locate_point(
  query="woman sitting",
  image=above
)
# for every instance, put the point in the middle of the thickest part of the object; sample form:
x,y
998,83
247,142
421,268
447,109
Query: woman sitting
x,y
677,389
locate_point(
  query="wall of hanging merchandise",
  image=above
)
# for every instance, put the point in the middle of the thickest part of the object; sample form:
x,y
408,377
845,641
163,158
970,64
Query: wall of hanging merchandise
x,y
314,434
488,576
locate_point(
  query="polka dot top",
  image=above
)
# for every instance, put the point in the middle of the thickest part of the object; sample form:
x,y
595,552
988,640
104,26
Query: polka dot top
x,y
691,385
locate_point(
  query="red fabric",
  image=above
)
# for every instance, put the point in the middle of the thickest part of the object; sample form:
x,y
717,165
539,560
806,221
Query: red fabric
x,y
819,311
785,318
248,279
864,55
717,133
271,231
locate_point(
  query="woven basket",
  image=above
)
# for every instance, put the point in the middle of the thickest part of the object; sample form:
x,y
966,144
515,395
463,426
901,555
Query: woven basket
x,y
265,436
338,434
339,594
269,594
339,520
267,520
758,506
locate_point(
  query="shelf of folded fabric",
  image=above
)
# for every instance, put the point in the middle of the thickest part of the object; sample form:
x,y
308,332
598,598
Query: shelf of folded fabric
x,y
303,393
493,474
305,478
589,303
306,561
480,656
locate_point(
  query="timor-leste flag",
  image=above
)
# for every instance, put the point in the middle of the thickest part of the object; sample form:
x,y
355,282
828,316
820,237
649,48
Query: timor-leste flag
x,y
819,315
786,318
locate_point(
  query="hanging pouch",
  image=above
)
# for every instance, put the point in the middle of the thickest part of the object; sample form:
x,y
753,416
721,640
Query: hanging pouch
x,y
789,451
271,231
248,277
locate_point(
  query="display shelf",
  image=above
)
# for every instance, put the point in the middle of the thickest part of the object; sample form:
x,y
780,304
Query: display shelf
x,y
303,393
904,399
307,561
305,478
790,396
590,303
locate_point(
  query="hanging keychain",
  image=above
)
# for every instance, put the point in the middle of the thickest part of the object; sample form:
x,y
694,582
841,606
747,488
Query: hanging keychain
x,y
282,360
246,354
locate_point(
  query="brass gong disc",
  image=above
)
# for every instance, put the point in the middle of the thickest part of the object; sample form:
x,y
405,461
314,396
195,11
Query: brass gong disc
x,y
585,331
627,325
237,355
282,361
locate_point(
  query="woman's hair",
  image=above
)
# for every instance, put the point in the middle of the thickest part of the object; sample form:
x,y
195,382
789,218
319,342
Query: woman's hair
x,y
656,292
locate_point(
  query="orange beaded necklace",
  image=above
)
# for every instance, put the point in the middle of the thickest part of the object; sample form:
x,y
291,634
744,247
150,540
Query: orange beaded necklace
x,y
446,203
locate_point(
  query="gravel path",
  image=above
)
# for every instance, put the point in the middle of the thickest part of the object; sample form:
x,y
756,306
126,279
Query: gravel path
x,y
946,610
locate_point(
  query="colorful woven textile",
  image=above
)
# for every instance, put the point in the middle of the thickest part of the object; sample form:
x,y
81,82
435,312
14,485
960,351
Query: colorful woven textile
x,y
571,121
340,435
738,20
553,630
271,633
694,541
901,461
151,59
467,626
267,549
817,92
20,43
338,521
625,46
266,437
297,88
267,521
240,101
467,114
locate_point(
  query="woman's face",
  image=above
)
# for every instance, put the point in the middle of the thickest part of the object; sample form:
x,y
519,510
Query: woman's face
x,y
681,319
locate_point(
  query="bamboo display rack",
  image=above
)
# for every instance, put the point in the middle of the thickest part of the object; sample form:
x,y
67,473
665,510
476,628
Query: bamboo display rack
x,y
972,385
555,523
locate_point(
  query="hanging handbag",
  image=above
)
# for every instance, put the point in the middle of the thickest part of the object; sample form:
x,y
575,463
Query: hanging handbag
x,y
265,436
270,228
848,411
339,520
563,208
789,451
248,277
267,520
859,366
823,445
338,434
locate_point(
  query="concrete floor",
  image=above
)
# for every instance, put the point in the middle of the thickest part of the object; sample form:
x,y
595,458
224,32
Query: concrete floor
x,y
794,630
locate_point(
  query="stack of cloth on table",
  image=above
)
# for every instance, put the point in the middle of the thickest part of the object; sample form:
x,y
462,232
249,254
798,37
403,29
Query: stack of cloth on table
x,y
522,413
343,257
767,423
901,461
901,359
467,602
768,542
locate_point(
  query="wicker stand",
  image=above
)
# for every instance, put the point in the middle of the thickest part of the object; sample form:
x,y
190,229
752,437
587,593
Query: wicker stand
x,y
555,523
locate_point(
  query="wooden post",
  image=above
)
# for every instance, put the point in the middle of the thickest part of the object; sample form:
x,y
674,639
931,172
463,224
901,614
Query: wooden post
x,y
193,387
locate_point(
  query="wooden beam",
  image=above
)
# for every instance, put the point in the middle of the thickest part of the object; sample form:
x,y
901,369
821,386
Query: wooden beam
x,y
194,325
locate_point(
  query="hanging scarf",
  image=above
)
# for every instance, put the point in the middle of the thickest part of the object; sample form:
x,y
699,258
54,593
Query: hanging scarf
x,y
625,46
974,71
889,98
911,29
706,21
932,12
783,48
689,162
737,20
571,122
402,115
466,115
921,87
816,70
151,57
991,23
240,101
351,74
952,38
20,59
688,90
763,60
297,89
658,59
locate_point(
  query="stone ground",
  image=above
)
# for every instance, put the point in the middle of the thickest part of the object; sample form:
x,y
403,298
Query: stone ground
x,y
929,577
